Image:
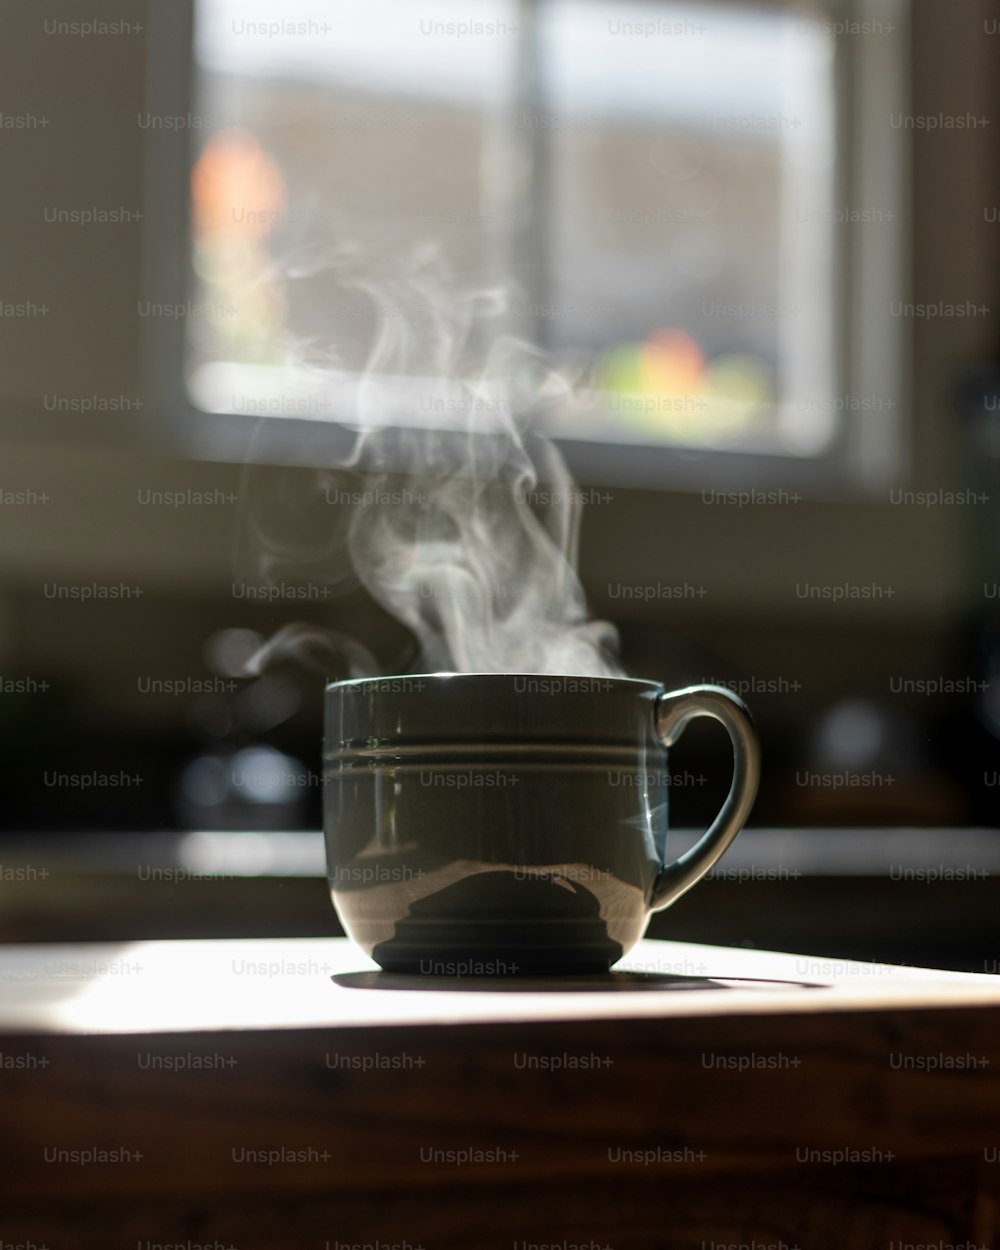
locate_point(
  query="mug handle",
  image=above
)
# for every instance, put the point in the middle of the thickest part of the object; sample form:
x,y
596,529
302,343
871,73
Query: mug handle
x,y
673,712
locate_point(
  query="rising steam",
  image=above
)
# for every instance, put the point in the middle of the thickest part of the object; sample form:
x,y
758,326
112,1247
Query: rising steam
x,y
465,527
325,651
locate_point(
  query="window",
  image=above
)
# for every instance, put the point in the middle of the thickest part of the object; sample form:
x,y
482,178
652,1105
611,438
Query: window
x,y
686,200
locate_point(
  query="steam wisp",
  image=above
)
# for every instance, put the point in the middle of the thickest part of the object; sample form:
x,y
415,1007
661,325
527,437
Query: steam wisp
x,y
466,527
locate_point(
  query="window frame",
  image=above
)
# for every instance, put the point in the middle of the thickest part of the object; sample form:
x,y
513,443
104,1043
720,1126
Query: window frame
x,y
865,457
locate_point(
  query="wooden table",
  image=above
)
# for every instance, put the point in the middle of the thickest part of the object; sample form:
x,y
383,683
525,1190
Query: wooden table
x,y
284,1093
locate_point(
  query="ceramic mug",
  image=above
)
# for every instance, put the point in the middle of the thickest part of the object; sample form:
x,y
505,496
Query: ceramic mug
x,y
503,824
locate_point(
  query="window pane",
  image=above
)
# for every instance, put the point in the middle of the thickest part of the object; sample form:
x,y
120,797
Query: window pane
x,y
349,135
691,170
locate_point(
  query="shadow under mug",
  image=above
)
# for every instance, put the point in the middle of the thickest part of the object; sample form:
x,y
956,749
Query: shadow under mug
x,y
501,824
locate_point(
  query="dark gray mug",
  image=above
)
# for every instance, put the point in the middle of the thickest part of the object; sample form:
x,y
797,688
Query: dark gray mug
x,y
493,823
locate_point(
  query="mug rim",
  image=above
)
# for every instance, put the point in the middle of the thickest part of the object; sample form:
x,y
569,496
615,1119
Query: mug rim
x,y
648,683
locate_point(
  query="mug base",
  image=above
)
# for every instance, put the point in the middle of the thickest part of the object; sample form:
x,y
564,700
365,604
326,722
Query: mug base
x,y
498,924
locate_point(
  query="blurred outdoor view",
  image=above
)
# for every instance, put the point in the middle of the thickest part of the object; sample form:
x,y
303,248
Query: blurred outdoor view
x,y
653,182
